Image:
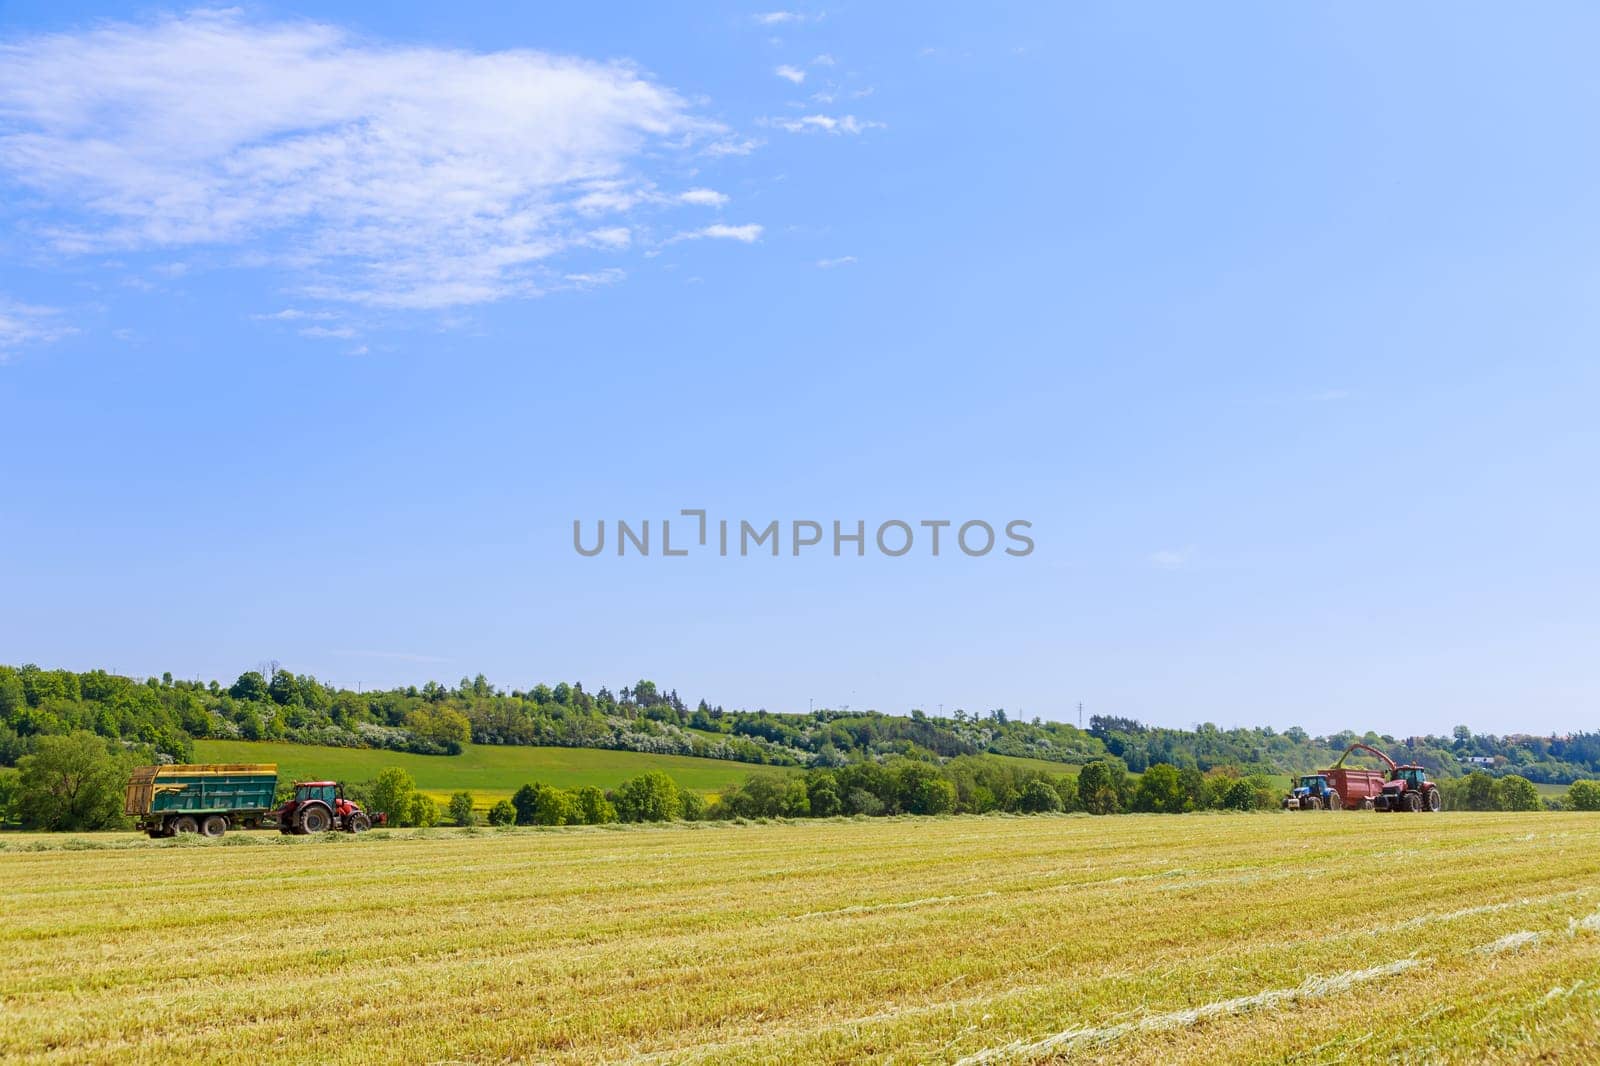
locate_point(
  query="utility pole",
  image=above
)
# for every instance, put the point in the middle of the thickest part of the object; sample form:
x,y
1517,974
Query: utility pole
x,y
1080,714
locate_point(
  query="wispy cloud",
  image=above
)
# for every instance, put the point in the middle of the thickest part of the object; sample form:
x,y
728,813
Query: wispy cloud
x,y
328,332
748,234
794,74
1171,558
704,197
731,147
823,60
295,314
25,324
829,264
825,124
781,18
396,176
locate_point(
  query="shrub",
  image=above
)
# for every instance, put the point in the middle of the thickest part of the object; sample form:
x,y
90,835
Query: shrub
x,y
461,812
924,790
593,807
422,810
503,813
391,793
1038,797
1515,793
1584,796
650,797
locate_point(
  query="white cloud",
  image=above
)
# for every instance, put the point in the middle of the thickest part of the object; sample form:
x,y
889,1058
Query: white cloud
x,y
608,276
293,314
823,60
731,147
611,237
328,332
23,324
704,197
829,264
825,124
401,176
794,74
778,18
748,234
1171,558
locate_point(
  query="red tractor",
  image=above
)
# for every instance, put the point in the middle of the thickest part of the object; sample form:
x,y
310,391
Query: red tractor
x,y
1408,789
319,806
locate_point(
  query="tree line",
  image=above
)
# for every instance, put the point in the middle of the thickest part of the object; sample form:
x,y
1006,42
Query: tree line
x,y
162,717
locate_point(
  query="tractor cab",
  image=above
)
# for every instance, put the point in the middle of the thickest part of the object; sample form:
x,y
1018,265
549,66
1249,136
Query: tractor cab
x,y
329,792
1414,777
1311,794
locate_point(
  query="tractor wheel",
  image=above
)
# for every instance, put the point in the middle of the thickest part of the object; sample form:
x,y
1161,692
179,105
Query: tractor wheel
x,y
315,819
1413,802
1334,802
1314,803
183,824
357,823
1435,803
1367,804
214,825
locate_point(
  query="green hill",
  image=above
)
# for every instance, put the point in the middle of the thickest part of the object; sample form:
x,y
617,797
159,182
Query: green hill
x,y
489,772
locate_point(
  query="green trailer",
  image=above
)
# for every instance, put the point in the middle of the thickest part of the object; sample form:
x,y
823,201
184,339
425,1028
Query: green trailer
x,y
203,798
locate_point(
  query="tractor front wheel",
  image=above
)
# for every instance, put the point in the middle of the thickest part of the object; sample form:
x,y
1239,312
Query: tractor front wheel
x,y
214,825
183,824
315,820
357,823
1435,804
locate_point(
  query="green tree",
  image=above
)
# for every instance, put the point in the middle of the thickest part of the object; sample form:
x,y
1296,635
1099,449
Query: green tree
x,y
1038,797
10,781
1584,795
694,806
554,806
422,810
650,797
250,686
461,812
75,781
525,802
503,813
282,688
593,806
924,790
1160,791
1100,785
1516,793
391,793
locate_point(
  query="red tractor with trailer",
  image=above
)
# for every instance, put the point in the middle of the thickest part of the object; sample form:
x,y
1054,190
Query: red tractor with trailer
x,y
1351,788
211,798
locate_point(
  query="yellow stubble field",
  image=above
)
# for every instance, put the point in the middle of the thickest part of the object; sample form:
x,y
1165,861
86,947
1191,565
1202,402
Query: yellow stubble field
x,y
1205,938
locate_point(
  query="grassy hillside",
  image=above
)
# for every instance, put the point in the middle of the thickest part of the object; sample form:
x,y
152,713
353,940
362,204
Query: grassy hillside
x,y
1133,940
489,772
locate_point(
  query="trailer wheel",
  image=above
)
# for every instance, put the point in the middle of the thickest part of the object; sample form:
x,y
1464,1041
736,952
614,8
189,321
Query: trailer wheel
x,y
1367,804
214,825
1435,803
1413,802
315,819
1334,802
183,824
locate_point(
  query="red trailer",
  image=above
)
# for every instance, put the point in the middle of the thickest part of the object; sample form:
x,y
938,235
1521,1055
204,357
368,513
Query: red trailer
x,y
1358,789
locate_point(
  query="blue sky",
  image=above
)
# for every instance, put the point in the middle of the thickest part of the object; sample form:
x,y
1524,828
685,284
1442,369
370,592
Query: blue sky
x,y
320,325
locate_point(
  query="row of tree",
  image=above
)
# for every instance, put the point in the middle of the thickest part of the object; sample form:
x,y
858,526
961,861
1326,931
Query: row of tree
x,y
163,716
